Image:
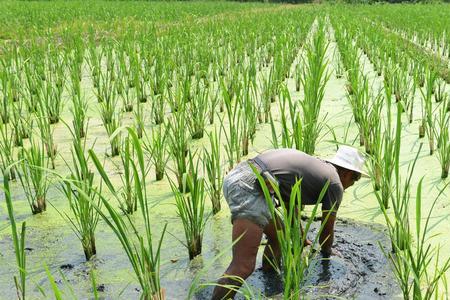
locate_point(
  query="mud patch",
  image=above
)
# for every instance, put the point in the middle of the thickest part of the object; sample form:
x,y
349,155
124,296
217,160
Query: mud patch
x,y
362,273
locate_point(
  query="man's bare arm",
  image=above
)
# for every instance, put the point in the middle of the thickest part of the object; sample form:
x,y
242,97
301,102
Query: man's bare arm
x,y
327,235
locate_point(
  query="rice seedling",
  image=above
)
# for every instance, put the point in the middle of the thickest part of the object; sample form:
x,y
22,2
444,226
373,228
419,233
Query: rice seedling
x,y
246,101
51,90
427,108
197,109
212,163
139,119
315,77
20,122
178,145
190,203
111,127
7,152
158,108
439,93
83,197
156,148
6,100
18,238
234,133
139,245
79,110
443,138
46,133
213,102
33,176
129,201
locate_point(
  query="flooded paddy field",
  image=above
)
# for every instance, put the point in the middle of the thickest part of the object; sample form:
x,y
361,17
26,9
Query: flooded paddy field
x,y
170,67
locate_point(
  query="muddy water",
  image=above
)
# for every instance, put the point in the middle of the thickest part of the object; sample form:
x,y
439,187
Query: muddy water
x,y
361,273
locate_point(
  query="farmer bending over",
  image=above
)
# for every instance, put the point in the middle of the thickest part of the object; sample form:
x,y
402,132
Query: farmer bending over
x,y
250,214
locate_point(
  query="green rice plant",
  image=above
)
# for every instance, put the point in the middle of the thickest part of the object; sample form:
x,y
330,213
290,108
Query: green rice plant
x,y
129,201
178,146
245,95
213,102
33,176
190,203
6,100
46,133
7,152
427,108
139,119
51,91
268,89
197,108
32,87
291,235
158,108
20,122
79,110
137,74
18,238
443,138
339,69
156,148
439,93
139,245
315,77
212,163
234,132
390,149
124,91
83,197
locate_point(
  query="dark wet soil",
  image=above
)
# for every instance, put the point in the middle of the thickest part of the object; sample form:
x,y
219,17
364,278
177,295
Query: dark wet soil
x,y
362,273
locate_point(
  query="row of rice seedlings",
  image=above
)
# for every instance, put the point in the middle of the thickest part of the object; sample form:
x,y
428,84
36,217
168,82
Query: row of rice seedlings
x,y
295,256
33,175
142,250
443,137
315,77
190,203
83,197
212,164
18,238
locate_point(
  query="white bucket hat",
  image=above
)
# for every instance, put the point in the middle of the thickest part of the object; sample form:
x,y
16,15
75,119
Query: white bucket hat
x,y
349,158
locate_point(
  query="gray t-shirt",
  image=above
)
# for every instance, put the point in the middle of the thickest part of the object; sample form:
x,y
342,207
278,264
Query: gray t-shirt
x,y
290,165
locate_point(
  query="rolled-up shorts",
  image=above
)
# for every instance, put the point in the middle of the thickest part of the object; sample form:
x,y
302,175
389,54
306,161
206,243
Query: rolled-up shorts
x,y
244,195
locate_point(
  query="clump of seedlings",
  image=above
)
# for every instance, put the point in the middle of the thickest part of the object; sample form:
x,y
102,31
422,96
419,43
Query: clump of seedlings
x,y
142,250
190,203
427,109
7,152
33,175
156,148
443,138
212,163
83,197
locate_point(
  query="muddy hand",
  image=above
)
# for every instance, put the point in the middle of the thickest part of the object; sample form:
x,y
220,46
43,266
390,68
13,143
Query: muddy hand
x,y
335,252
